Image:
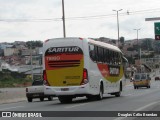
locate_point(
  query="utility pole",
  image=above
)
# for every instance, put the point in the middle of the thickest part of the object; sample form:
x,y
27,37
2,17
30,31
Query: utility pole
x,y
31,62
63,18
117,11
139,48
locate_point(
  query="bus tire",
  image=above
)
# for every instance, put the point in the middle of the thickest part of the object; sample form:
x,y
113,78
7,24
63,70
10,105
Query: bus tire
x,y
121,88
65,99
100,95
29,99
90,97
118,94
41,98
50,98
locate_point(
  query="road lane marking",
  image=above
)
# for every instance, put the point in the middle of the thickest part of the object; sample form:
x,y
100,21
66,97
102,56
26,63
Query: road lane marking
x,y
11,108
128,95
139,109
146,106
72,106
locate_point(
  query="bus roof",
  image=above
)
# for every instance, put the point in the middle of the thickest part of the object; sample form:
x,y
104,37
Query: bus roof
x,y
99,43
103,44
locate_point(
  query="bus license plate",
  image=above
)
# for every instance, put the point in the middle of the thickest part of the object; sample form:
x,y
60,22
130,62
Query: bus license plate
x,y
64,89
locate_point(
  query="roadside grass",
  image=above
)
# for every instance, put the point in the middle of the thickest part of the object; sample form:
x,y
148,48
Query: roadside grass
x,y
10,79
12,82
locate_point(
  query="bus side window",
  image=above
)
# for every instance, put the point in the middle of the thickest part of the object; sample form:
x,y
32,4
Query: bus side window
x,y
109,57
119,59
100,54
96,53
113,58
105,55
92,52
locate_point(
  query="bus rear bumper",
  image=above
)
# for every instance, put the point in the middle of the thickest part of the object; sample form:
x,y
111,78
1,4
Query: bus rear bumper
x,y
72,90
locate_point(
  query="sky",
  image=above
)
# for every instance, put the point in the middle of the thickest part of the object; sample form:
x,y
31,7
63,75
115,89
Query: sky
x,y
25,20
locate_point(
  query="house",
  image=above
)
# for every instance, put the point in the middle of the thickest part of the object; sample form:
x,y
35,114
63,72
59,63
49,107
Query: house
x,y
10,51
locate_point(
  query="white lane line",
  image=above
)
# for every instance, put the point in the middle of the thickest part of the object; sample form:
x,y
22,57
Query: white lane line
x,y
128,95
11,108
139,109
146,106
76,105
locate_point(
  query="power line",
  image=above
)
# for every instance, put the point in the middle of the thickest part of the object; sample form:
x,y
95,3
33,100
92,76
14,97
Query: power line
x,y
81,17
143,11
30,20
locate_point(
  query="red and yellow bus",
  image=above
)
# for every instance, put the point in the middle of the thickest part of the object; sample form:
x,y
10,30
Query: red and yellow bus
x,y
74,67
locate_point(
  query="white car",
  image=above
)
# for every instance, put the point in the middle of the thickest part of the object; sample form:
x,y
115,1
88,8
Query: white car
x,y
37,91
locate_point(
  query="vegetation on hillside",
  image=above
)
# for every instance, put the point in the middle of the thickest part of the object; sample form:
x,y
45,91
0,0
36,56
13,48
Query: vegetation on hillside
x,y
13,79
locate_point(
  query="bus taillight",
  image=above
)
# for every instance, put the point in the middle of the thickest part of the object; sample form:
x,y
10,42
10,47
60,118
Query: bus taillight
x,y
85,77
45,78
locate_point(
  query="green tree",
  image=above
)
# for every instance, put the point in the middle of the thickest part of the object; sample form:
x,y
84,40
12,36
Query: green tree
x,y
147,44
34,44
122,40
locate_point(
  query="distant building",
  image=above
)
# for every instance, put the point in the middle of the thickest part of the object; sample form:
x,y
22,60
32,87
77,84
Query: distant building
x,y
26,52
5,45
8,51
145,52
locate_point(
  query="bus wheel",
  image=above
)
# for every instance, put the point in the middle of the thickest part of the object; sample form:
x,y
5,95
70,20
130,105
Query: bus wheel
x,y
29,99
64,99
90,97
100,95
50,98
41,98
118,94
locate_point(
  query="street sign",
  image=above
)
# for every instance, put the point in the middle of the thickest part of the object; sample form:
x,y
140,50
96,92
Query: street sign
x,y
157,30
152,19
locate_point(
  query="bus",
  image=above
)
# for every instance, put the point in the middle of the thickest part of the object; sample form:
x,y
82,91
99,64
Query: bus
x,y
75,67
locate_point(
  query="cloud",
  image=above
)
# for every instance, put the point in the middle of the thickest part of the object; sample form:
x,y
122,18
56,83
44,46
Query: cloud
x,y
50,9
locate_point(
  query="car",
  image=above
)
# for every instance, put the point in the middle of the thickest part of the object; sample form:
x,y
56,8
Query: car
x,y
37,91
157,78
141,80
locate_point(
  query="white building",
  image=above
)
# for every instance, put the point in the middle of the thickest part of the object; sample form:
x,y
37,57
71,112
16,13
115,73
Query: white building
x,y
10,51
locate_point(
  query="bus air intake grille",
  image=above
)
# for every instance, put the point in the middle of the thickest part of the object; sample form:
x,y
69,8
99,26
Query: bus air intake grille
x,y
64,63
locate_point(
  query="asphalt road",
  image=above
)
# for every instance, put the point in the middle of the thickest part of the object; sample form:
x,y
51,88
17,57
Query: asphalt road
x,y
142,99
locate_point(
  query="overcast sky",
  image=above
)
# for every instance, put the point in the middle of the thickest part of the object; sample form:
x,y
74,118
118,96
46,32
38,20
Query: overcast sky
x,y
24,20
